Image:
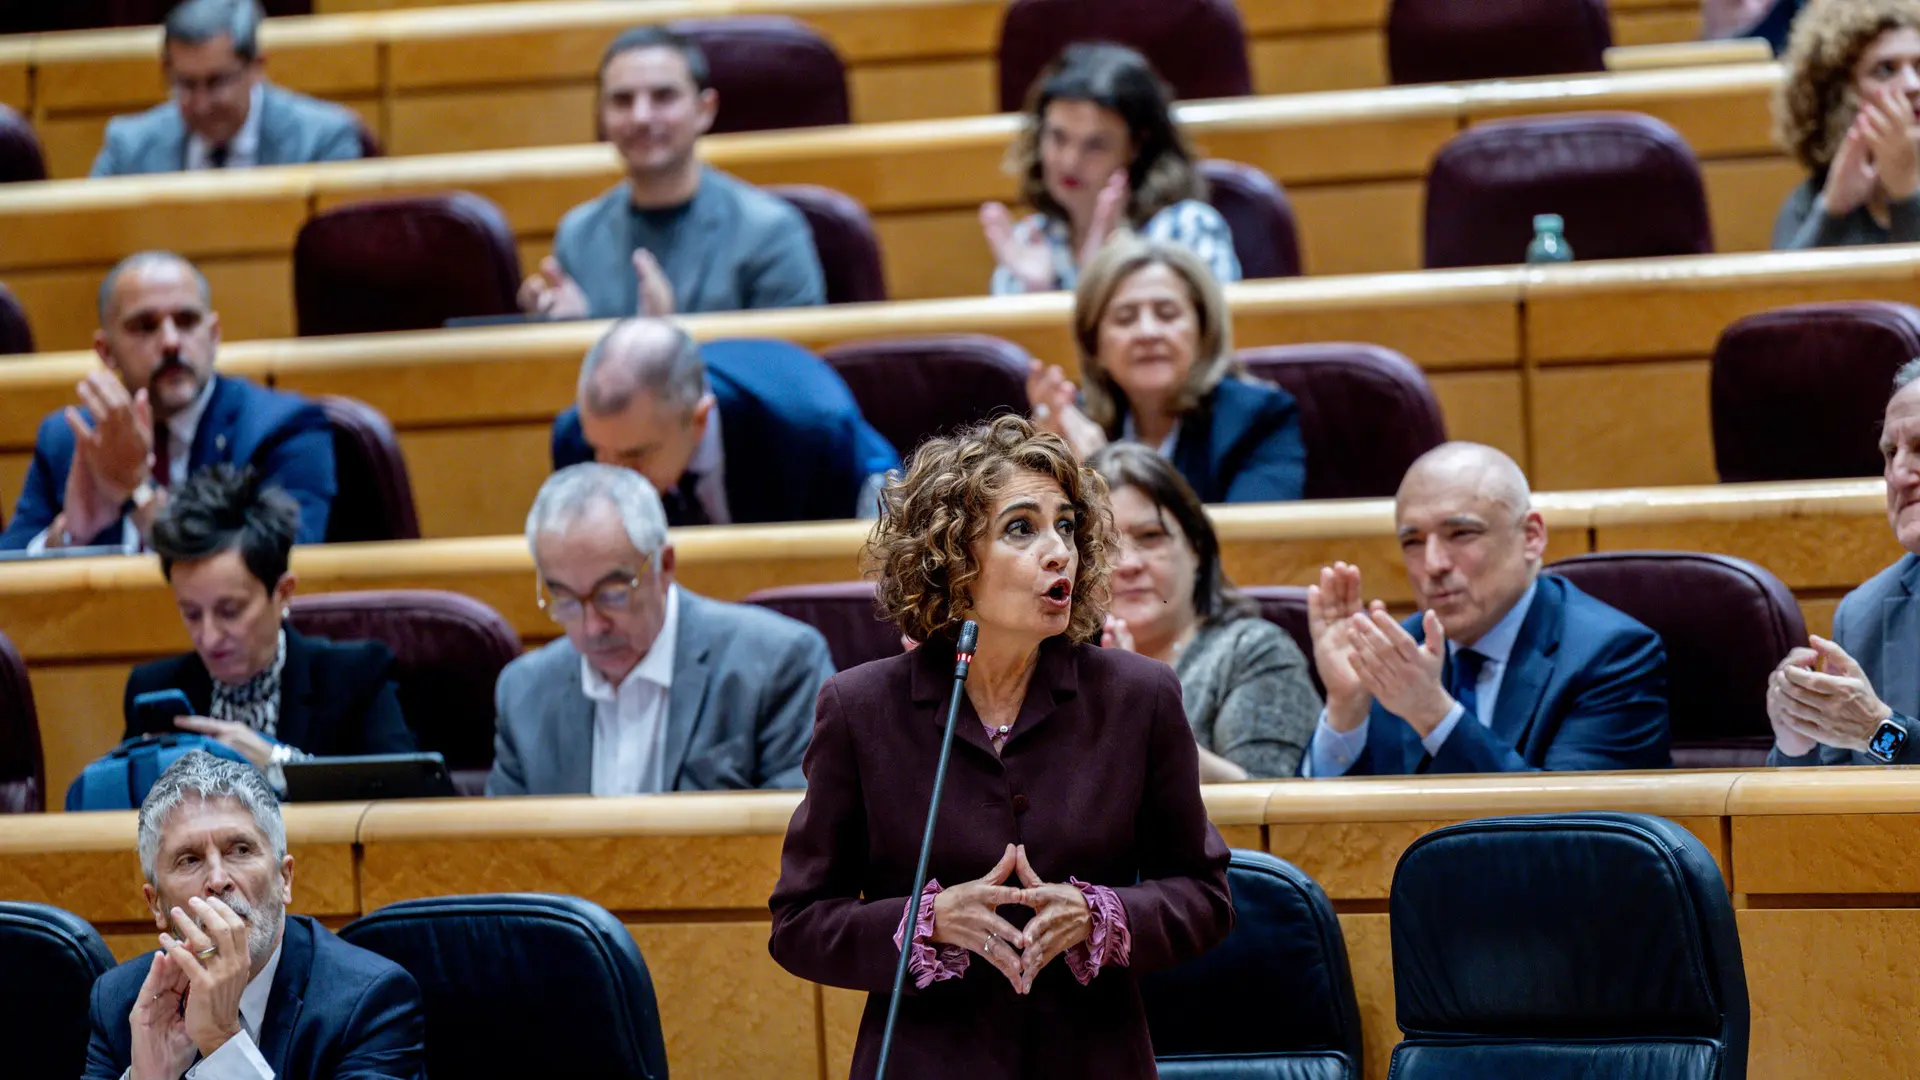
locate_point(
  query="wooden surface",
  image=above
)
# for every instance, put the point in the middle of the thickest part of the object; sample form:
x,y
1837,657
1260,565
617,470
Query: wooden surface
x,y
1828,969
1354,164
82,623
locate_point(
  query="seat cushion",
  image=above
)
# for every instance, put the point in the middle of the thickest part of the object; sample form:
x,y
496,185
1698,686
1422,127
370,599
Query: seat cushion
x,y
1265,238
1198,46
1473,40
770,71
1366,412
375,494
912,388
403,264
20,156
1311,1066
843,238
1678,1059
844,614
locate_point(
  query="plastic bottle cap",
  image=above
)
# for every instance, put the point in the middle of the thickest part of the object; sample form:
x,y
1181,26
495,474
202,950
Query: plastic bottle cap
x,y
1548,223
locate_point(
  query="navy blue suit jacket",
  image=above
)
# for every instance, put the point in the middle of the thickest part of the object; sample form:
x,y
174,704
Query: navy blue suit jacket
x,y
795,444
1585,688
1242,444
336,1012
286,439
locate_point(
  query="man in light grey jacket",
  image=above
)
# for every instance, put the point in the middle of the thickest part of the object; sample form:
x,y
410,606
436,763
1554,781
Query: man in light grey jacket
x,y
224,114
653,688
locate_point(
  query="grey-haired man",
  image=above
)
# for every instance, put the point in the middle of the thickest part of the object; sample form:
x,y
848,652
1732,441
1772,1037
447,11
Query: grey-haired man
x,y
238,990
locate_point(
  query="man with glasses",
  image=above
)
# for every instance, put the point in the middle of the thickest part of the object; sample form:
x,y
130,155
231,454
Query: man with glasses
x,y
223,113
652,688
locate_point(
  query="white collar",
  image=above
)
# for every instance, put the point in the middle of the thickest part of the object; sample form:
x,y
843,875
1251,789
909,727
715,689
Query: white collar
x,y
253,1000
184,423
1497,644
1165,449
245,143
656,667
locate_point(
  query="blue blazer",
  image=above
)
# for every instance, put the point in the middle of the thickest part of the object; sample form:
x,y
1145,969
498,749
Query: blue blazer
x,y
1242,444
1585,688
795,445
285,438
336,1012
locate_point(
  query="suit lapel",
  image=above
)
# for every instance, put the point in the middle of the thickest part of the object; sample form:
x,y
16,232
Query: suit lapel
x,y
687,700
1530,665
267,150
575,726
212,442
295,725
1900,645
287,997
705,221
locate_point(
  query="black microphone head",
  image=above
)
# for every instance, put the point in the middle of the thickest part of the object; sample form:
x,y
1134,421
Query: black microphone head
x,y
969,636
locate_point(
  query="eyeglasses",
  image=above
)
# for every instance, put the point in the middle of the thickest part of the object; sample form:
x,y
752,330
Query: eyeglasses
x,y
184,86
613,598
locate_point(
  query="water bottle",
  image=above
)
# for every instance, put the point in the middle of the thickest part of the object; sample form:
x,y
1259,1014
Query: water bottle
x,y
1549,240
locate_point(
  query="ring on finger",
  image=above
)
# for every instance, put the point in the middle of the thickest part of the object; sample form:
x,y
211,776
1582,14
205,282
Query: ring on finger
x,y
991,939
206,953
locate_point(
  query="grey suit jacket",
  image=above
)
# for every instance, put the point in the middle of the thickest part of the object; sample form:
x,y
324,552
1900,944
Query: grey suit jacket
x,y
739,248
1879,626
294,129
739,714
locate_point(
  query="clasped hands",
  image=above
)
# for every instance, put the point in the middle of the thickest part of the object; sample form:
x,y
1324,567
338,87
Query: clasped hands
x,y
188,1004
966,915
1363,654
1820,696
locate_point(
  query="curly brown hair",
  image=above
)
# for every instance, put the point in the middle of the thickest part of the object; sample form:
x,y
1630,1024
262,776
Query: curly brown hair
x,y
1815,101
922,547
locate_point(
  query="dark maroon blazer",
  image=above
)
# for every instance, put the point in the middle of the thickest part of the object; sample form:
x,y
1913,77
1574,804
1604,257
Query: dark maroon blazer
x,y
1099,779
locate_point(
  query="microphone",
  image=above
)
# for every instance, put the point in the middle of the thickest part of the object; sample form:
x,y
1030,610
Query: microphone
x,y
962,660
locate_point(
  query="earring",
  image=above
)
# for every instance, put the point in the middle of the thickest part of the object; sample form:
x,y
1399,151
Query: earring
x,y
286,612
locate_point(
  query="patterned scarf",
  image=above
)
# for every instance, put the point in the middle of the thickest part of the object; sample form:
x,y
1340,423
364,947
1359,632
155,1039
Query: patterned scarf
x,y
256,702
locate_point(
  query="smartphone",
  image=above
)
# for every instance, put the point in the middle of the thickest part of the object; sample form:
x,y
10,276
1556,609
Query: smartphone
x,y
155,710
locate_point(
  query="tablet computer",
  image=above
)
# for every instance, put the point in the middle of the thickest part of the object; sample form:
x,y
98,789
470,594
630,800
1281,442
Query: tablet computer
x,y
368,776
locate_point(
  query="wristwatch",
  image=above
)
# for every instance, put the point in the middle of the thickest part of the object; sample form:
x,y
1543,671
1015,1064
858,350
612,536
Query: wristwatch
x,y
1888,740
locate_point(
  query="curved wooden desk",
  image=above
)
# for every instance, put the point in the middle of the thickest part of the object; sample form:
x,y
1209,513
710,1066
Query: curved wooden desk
x,y
1819,862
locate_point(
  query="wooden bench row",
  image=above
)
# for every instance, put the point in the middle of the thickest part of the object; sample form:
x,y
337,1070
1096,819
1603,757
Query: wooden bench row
x,y
494,76
82,623
1592,375
1819,864
1354,165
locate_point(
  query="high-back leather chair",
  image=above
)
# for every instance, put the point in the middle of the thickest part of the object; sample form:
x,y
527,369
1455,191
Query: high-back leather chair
x,y
1455,41
844,239
1627,186
374,499
523,984
16,335
1285,606
1198,46
403,264
1261,219
1799,392
1366,413
1725,622
1274,1000
23,770
52,957
843,612
770,71
1566,946
20,156
448,651
910,388
33,15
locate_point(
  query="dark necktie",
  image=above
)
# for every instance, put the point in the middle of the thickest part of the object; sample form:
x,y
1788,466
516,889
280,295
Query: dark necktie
x,y
1467,666
682,504
162,456
217,156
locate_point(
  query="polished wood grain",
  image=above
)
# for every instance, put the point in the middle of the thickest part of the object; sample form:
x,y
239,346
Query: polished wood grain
x,y
1825,985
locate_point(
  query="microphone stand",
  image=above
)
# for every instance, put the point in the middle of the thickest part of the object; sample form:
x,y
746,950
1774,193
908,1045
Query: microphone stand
x,y
963,658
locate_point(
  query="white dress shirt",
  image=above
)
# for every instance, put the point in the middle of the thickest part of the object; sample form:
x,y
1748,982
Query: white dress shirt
x,y
1332,753
1165,449
180,430
239,1057
630,720
243,150
709,467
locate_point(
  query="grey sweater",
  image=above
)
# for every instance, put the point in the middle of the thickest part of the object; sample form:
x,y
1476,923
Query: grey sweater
x,y
1248,696
1804,222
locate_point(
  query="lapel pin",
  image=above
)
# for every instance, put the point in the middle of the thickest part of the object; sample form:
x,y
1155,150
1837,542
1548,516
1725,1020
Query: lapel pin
x,y
220,444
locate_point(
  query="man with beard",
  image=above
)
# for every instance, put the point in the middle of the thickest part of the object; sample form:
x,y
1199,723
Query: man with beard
x,y
156,413
676,236
238,990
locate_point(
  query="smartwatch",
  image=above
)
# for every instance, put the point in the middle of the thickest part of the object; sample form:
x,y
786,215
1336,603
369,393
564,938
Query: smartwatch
x,y
1888,740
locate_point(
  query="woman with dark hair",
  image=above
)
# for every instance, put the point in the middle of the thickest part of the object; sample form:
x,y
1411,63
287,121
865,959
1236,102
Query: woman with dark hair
x,y
1073,772
1100,152
256,685
1243,680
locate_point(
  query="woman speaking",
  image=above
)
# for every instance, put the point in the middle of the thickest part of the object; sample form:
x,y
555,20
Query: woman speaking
x,y
1072,850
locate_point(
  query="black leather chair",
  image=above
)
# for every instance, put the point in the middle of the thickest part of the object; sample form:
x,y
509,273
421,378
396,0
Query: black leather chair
x,y
523,984
23,768
843,612
51,958
1274,1001
1566,947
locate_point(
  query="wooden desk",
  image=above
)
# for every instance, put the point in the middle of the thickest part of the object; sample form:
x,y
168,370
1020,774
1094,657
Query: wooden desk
x,y
1354,164
82,623
1818,862
497,76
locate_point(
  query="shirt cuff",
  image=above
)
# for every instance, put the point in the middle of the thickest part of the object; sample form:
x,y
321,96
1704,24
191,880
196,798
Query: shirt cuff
x,y
1109,943
1332,753
1437,738
927,962
237,1059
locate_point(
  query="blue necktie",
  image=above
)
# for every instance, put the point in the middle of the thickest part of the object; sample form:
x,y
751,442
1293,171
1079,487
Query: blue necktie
x,y
1466,681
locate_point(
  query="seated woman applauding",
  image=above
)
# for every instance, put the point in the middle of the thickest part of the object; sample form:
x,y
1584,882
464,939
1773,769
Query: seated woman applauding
x,y
1100,152
1073,775
1849,109
1244,681
255,685
1157,367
